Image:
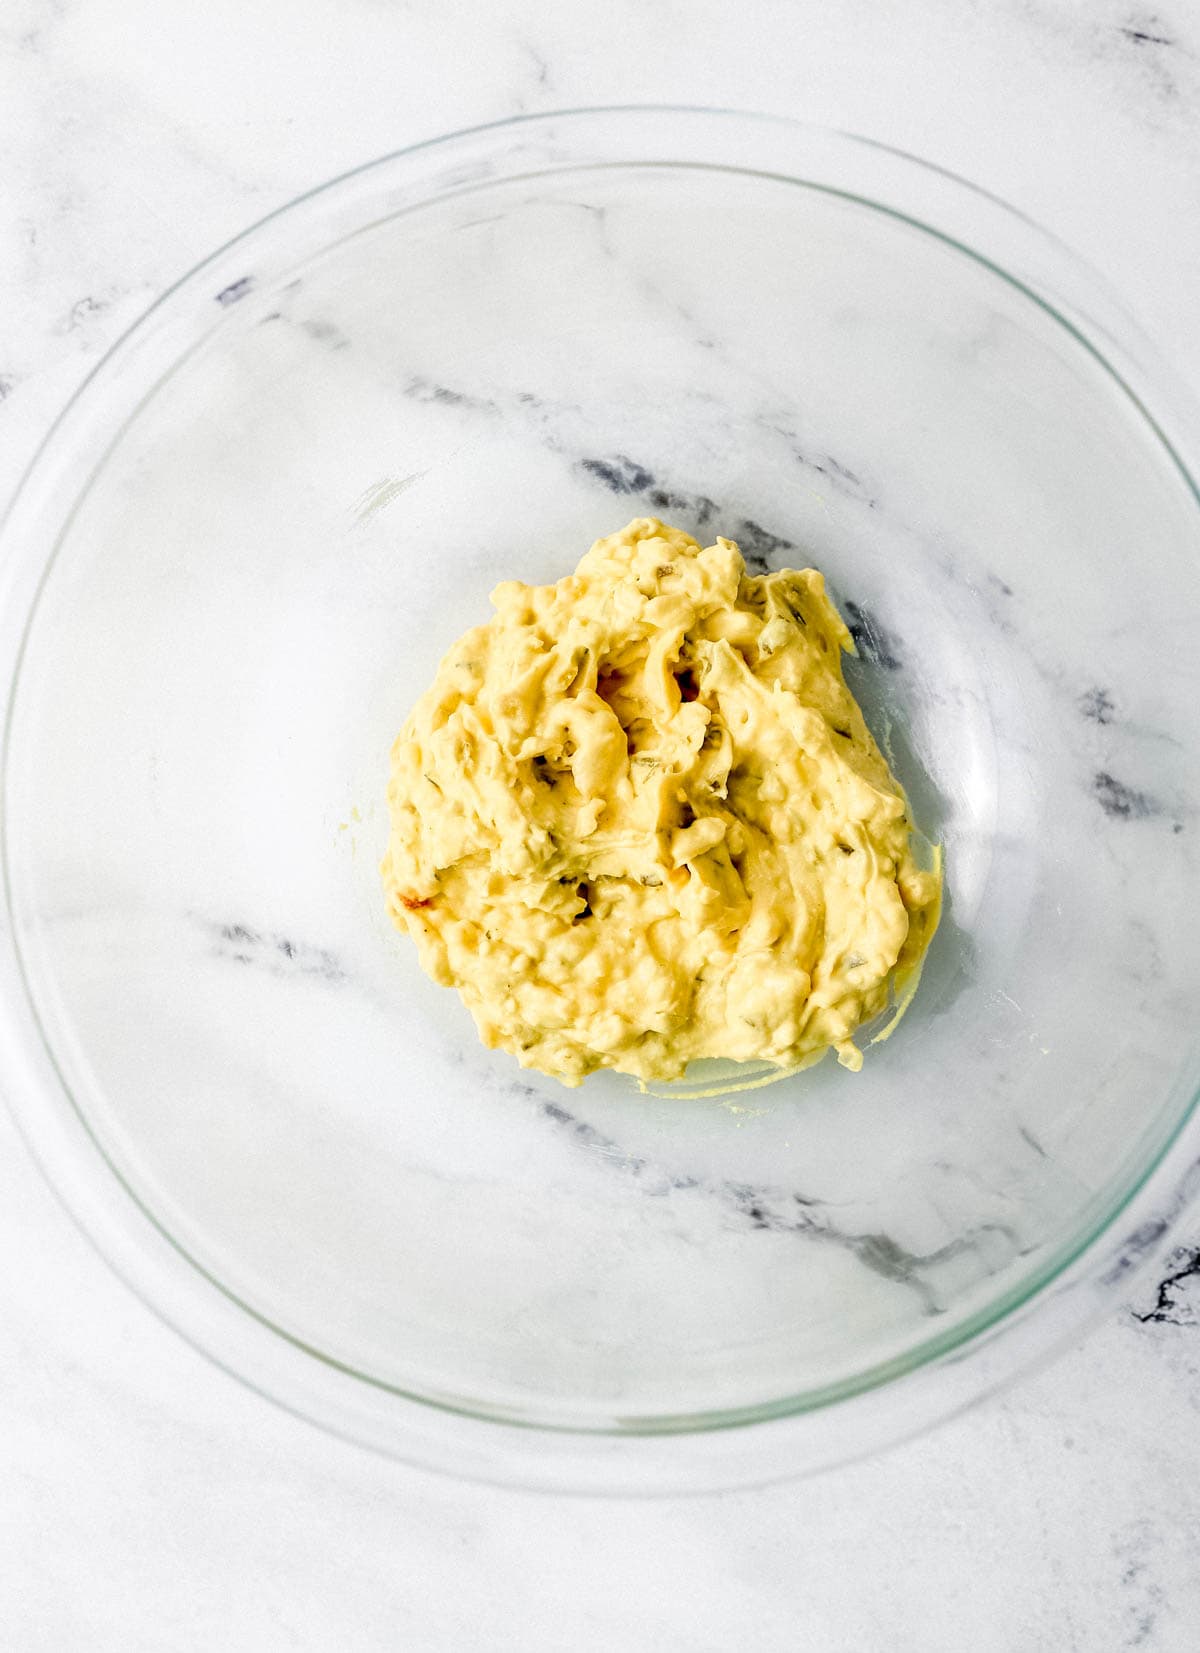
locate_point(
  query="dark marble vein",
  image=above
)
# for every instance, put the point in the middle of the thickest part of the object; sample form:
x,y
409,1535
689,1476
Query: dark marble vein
x,y
1144,37
1027,1135
761,547
82,310
235,290
1097,706
1134,1249
696,508
419,389
1177,1301
276,953
1121,802
782,1211
620,475
874,642
541,67
832,469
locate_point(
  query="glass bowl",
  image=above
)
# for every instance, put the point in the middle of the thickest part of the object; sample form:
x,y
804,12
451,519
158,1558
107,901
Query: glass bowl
x,y
238,559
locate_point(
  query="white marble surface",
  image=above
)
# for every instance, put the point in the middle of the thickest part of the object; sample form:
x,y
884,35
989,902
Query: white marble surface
x,y
147,1501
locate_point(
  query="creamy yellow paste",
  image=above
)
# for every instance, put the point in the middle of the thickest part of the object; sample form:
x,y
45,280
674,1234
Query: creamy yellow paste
x,y
638,819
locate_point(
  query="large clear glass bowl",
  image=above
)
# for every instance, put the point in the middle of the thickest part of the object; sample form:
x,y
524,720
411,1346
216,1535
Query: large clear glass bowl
x,y
237,561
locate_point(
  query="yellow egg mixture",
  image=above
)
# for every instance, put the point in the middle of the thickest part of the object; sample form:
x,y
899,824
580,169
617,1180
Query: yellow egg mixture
x,y
638,819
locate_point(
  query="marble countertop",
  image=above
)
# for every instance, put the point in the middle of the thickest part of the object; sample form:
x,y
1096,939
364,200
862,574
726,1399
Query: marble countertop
x,y
147,1501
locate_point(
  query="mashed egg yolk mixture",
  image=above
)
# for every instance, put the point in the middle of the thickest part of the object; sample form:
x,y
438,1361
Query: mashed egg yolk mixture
x,y
638,819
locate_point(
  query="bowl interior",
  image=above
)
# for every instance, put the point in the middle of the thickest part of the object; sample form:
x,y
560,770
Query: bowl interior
x,y
262,576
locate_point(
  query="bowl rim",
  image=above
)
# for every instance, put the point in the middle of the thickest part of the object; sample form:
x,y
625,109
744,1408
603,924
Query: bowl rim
x,y
1081,1276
